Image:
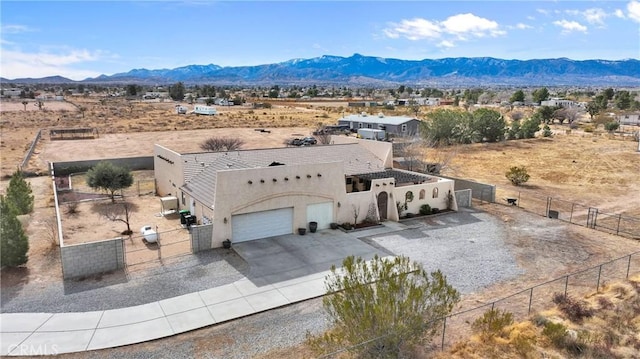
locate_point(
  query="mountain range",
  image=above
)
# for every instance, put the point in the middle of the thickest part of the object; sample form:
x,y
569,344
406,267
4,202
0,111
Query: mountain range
x,y
376,71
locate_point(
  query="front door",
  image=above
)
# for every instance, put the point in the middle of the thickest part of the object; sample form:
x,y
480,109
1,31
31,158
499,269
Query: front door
x,y
382,205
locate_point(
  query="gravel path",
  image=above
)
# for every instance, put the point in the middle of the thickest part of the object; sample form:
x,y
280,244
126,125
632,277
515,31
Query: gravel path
x,y
468,247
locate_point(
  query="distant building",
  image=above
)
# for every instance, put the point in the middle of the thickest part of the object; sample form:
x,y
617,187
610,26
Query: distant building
x,y
629,119
398,125
204,110
558,102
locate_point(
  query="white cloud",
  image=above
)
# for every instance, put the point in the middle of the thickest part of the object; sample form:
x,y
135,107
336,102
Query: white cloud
x,y
459,27
595,16
619,13
569,26
15,29
415,29
633,7
17,64
471,24
543,11
522,26
446,44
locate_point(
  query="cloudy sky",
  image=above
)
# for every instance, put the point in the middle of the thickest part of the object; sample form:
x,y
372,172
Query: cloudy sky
x,y
80,39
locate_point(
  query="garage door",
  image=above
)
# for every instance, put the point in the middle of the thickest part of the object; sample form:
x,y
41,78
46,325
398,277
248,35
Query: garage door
x,y
263,224
321,213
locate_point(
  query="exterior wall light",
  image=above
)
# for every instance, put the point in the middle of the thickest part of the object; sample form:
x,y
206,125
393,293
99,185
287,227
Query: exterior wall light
x,y
275,180
286,178
319,175
308,176
249,182
261,181
225,220
297,177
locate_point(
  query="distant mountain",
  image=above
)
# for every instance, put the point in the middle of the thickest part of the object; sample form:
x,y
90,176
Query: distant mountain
x,y
375,71
42,80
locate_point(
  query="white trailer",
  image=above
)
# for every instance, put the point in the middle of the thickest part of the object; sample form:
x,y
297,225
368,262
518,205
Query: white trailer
x,y
205,110
371,134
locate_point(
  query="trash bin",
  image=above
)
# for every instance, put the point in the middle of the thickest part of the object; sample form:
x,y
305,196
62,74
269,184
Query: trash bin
x,y
183,214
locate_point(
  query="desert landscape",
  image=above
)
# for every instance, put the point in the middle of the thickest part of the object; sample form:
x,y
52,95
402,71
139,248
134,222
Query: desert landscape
x,y
593,169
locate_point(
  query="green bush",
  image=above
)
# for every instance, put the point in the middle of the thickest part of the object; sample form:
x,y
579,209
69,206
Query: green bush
x,y
588,128
425,209
611,126
14,243
556,333
492,323
546,131
517,175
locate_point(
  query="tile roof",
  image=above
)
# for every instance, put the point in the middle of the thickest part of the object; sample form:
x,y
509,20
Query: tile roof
x,y
200,170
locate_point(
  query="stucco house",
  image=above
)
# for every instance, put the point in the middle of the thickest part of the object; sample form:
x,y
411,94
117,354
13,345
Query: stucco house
x,y
253,194
399,125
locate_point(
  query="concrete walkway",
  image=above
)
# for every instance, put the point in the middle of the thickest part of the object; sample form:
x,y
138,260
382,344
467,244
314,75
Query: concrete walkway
x,y
56,333
23,334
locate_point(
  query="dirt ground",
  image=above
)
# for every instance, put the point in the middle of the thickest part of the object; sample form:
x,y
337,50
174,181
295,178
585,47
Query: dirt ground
x,y
591,169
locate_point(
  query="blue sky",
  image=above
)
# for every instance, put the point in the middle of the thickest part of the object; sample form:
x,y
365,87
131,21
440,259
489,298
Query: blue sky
x,y
80,39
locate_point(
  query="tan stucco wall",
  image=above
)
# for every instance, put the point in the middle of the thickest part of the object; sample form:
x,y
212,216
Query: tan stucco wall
x,y
169,177
442,202
234,194
356,201
381,149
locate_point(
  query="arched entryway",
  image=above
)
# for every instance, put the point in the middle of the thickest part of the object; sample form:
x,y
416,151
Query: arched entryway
x,y
382,205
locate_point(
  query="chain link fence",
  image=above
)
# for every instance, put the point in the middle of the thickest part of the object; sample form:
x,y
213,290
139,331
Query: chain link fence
x,y
140,254
457,326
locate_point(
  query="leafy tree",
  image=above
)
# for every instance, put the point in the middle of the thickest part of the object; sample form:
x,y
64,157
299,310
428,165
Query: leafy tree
x,y
546,131
14,243
608,93
545,113
383,308
217,144
176,92
19,194
593,109
540,95
517,175
209,101
517,96
514,131
611,126
109,177
601,101
488,124
529,127
623,100
133,90
445,126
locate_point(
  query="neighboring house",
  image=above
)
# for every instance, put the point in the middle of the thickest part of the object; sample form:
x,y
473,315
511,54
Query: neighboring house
x,y
398,125
558,102
253,194
629,119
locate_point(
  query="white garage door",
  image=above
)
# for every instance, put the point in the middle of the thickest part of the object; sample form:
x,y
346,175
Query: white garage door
x,y
263,224
321,213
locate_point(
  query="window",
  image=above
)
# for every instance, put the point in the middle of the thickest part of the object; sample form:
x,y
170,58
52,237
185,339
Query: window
x,y
422,194
349,180
369,125
183,201
435,193
359,124
408,197
404,128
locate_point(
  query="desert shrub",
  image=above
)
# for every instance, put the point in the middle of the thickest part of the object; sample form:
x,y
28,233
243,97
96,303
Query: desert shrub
x,y
435,210
517,175
605,303
492,323
425,209
539,320
71,208
524,343
546,131
575,310
588,128
347,225
556,333
611,126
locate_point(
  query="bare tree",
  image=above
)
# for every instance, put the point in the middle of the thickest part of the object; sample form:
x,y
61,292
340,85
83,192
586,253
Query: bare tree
x,y
356,213
82,110
25,103
217,144
119,211
39,104
321,134
51,230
